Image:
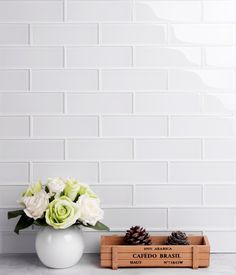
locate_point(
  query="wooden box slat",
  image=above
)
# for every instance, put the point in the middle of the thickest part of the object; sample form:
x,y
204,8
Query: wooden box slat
x,y
114,253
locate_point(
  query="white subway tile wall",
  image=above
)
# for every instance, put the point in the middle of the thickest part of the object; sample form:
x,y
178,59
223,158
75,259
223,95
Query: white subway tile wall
x,y
135,97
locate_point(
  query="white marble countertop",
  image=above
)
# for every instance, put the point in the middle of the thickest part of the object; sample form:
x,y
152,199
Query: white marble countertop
x,y
28,264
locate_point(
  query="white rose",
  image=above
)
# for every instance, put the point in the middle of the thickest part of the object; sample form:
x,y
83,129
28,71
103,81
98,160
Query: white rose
x,y
90,211
36,205
55,186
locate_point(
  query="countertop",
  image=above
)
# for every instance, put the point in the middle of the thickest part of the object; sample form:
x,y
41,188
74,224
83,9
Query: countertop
x,y
28,264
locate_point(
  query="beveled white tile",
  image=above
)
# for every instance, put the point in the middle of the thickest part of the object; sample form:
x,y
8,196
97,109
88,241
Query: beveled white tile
x,y
31,11
83,171
14,80
219,11
126,217
13,33
133,34
220,148
9,195
64,80
196,218
168,103
221,56
133,172
31,103
100,149
63,34
14,127
167,195
168,56
31,150
201,79
220,194
180,11
134,126
202,172
65,126
197,34
220,103
168,149
99,103
14,173
202,126
99,56
134,79
101,11
31,57
114,195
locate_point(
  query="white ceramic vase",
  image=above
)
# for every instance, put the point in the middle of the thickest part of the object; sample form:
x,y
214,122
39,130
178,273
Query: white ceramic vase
x,y
59,248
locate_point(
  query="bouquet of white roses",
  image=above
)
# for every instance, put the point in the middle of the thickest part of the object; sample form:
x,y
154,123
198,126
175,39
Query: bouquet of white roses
x,y
61,203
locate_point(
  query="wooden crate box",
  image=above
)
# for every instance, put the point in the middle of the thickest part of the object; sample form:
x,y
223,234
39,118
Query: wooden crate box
x,y
114,253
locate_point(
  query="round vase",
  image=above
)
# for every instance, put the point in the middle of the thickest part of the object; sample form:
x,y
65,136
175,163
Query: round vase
x,y
59,248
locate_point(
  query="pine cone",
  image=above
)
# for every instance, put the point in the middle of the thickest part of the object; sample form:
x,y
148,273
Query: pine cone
x,y
137,235
177,238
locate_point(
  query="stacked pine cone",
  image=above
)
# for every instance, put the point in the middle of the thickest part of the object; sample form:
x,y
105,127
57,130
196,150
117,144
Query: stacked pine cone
x,y
137,235
177,238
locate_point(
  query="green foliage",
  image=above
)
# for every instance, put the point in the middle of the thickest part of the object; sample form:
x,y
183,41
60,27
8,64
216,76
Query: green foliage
x,y
23,223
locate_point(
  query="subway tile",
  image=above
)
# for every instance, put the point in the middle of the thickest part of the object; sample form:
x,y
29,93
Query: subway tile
x,y
13,33
97,103
133,34
134,126
167,56
100,149
64,80
220,149
99,56
84,171
204,218
134,80
168,149
167,103
178,11
14,127
14,173
31,150
101,11
220,194
197,34
219,11
167,195
31,103
211,80
125,218
221,56
202,172
114,195
64,34
10,194
31,11
133,172
14,80
14,244
31,57
222,242
65,126
202,126
220,103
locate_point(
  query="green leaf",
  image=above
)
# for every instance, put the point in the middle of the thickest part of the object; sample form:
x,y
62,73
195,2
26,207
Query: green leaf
x,y
40,222
23,223
99,226
15,213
